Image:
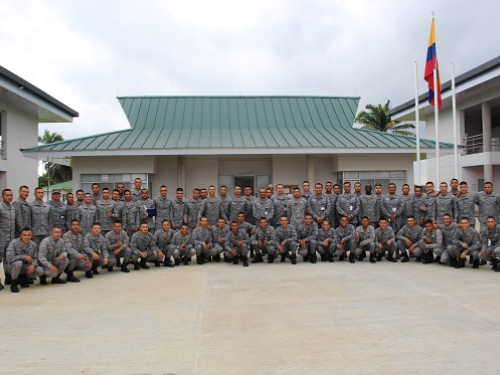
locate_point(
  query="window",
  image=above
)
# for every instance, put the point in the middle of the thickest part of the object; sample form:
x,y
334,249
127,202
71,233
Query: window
x,y
383,178
112,180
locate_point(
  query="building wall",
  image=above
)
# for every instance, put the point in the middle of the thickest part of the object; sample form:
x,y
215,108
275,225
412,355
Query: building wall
x,y
201,172
288,169
165,173
324,171
19,130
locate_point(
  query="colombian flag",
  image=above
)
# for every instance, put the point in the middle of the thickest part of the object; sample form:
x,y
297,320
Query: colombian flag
x,y
430,65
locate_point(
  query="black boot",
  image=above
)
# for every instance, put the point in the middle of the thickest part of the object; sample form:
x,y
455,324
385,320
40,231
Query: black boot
x,y
13,286
58,280
251,253
283,258
235,259
167,263
137,267
461,263
372,258
1,286
270,258
312,258
323,257
380,256
94,269
405,257
118,262
330,257
391,258
475,263
157,263
437,259
23,281
495,263
351,257
200,259
294,259
177,261
124,267
453,262
110,268
143,264
342,257
43,280
258,258
216,258
185,260
71,277
245,261
8,279
428,258
89,274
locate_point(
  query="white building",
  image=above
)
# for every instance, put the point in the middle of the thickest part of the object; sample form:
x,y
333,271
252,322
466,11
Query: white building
x,y
478,126
22,107
198,141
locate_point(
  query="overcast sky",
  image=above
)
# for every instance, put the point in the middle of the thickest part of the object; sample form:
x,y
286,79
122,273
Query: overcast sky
x,y
86,53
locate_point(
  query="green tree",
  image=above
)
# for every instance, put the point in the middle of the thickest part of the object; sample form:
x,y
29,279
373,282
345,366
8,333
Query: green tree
x,y
54,173
376,118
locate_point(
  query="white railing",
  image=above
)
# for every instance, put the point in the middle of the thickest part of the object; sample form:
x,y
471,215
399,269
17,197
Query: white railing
x,y
474,144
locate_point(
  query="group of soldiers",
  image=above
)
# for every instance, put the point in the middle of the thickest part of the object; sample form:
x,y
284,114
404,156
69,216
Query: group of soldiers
x,y
110,229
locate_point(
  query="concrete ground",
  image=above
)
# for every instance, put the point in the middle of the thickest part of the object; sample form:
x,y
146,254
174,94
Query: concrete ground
x,y
326,318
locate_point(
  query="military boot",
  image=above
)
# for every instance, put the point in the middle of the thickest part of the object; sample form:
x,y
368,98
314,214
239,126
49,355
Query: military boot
x,y
405,257
351,257
143,264
475,263
372,258
294,259
94,269
124,267
245,260
13,286
71,277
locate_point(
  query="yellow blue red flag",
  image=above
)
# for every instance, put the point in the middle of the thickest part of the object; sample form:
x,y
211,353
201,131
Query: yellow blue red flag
x,y
430,65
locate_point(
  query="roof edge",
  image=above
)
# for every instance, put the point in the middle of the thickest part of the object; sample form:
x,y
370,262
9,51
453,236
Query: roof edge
x,y
235,96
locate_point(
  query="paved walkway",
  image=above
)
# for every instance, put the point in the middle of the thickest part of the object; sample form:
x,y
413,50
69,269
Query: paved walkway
x,y
326,318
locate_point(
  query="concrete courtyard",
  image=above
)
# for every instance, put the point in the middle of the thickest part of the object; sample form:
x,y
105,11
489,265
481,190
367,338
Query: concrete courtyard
x,y
219,318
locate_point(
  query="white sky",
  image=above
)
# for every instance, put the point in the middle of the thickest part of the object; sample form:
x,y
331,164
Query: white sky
x,y
85,53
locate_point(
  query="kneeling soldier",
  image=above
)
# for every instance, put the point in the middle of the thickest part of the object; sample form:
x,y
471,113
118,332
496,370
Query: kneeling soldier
x,y
326,241
365,240
286,235
219,238
53,257
490,248
202,239
143,243
385,241
95,246
408,238
468,243
307,235
118,247
21,257
263,241
182,246
163,238
78,259
345,239
238,242
431,241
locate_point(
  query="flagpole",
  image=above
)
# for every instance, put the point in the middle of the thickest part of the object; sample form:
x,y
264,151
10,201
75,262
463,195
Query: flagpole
x,y
417,120
454,109
436,124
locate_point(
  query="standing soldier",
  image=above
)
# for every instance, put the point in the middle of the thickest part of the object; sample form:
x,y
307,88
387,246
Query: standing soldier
x,y
137,192
306,190
307,235
488,204
87,214
117,242
131,215
370,206
490,244
406,197
280,202
296,208
454,186
106,211
7,229
193,205
318,205
345,239
203,193
212,208
179,209
237,204
96,193
95,245
143,244
22,259
79,197
146,208
182,246
238,243
121,189
392,208
163,237
118,212
326,241
202,241
417,203
385,240
163,206
286,236
78,260
23,211
468,243
262,207
224,198
429,206
71,209
39,217
264,241
348,205
446,203
53,257
248,195
408,237
465,204
57,212
365,240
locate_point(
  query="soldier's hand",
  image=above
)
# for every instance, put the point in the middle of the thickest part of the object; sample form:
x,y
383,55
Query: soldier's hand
x,y
427,239
483,252
119,243
423,245
105,262
463,255
54,269
95,256
266,242
239,243
31,269
319,220
411,248
110,214
464,245
144,255
89,263
117,251
259,243
325,243
380,245
252,231
61,257
28,259
154,253
209,227
81,257
234,253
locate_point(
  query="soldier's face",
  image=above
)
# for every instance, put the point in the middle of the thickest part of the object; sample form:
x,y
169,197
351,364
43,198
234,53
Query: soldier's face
x,y
336,189
418,192
306,186
490,223
221,223
237,191
357,187
163,192
406,190
343,222
347,188
378,190
463,189
179,194
24,193
144,194
138,183
120,188
454,184
488,188
328,187
325,225
391,189
262,193
127,195
280,189
464,224
70,199
95,189
165,226
96,229
429,188
56,233
211,191
56,197
88,199
75,227
196,194
117,227
223,191
263,224
269,193
184,230
203,222
446,220
240,218
271,187
411,222
284,221
234,227
364,222
429,227
368,189
203,193
116,195
296,193
79,195
443,188
143,228
382,224
318,189
308,220
26,236
105,194
248,191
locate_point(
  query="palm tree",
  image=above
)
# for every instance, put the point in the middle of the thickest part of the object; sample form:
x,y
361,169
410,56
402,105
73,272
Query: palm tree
x,y
54,173
376,118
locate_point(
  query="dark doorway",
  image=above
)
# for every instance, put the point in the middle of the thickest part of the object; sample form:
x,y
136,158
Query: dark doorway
x,y
243,181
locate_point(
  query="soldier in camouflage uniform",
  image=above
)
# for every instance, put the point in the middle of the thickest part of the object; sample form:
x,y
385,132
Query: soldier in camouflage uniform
x,y
87,214
307,236
306,190
57,210
286,237
263,241
280,202
446,203
238,243
450,232
429,202
39,217
202,241
365,240
131,216
145,207
164,208
392,207
431,242
468,242
106,211
417,202
7,229
182,246
326,241
348,205
96,248
193,205
136,194
117,242
179,209
212,208
78,259
262,207
71,209
22,260
318,205
385,240
53,257
406,198
219,238
296,209
490,243
163,238
237,204
143,244
370,206
118,213
345,239
248,195
23,210
488,204
465,204
408,238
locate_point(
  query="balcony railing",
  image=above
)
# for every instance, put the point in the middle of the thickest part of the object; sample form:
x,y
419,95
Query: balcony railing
x,y
474,144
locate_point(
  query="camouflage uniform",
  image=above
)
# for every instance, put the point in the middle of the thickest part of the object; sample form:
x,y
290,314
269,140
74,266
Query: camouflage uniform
x,y
212,209
163,210
348,205
48,256
446,204
23,215
310,234
236,205
296,209
466,208
16,258
318,206
57,214
263,208
488,206
112,243
75,248
193,208
87,214
40,225
280,208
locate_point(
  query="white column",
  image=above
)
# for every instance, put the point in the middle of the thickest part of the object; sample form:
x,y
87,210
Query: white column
x,y
486,120
181,172
311,169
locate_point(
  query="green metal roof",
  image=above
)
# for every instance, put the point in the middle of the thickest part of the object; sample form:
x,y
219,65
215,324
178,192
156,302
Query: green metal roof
x,y
284,122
